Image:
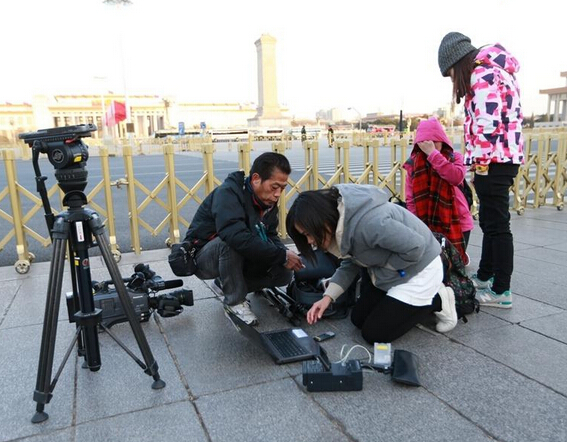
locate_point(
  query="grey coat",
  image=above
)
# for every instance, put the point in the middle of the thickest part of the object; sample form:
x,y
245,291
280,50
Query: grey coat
x,y
392,243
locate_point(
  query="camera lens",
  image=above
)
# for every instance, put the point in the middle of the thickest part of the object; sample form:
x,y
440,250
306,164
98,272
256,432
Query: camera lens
x,y
184,296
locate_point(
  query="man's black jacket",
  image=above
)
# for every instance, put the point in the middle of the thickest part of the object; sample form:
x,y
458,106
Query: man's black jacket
x,y
230,212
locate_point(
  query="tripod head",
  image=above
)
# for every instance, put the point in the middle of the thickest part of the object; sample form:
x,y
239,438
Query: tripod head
x,y
68,155
65,151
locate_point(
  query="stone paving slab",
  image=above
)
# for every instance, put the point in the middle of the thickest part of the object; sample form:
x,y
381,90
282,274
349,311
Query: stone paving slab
x,y
541,271
28,307
19,350
525,351
7,295
385,411
168,422
274,411
213,356
523,309
108,392
545,255
547,292
544,237
554,327
505,404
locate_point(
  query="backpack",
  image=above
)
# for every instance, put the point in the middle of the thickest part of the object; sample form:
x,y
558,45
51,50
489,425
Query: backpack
x,y
306,287
455,276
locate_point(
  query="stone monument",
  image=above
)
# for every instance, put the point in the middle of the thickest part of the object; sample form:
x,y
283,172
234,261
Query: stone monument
x,y
269,112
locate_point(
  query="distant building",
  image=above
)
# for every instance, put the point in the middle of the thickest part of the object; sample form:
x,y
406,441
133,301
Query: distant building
x,y
556,114
149,113
331,115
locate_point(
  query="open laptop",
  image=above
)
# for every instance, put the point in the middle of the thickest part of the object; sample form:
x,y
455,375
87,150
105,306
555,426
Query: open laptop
x,y
284,346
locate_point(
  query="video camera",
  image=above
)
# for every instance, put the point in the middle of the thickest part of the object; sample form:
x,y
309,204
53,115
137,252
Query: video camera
x,y
142,287
65,151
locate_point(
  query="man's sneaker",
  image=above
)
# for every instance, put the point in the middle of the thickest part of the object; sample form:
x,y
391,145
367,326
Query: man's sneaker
x,y
447,317
243,312
488,298
217,287
479,284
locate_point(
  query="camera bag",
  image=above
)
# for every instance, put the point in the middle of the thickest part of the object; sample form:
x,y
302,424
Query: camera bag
x,y
182,259
306,287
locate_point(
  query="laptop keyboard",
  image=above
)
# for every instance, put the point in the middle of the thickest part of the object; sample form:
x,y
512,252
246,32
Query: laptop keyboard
x,y
285,344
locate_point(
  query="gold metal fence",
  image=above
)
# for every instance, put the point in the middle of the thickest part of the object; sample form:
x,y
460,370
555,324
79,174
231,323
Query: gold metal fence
x,y
542,180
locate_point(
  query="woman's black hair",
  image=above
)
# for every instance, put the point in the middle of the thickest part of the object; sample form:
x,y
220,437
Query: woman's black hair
x,y
462,71
315,212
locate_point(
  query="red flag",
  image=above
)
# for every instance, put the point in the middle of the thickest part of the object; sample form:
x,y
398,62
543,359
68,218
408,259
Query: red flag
x,y
116,113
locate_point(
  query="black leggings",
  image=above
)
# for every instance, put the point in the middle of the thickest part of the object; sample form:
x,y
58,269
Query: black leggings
x,y
382,318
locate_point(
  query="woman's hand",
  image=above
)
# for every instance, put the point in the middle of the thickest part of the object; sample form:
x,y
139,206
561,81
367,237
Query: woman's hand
x,y
426,147
316,311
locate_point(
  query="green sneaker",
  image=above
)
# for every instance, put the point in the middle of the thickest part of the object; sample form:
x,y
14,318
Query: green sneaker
x,y
479,284
486,297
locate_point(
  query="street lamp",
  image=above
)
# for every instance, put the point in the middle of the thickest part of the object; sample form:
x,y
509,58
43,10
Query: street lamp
x,y
359,117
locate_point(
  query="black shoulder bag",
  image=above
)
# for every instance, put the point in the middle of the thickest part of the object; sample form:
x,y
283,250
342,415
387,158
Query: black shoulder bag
x,y
182,259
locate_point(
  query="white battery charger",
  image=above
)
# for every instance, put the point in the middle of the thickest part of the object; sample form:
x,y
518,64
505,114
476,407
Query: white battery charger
x,y
382,355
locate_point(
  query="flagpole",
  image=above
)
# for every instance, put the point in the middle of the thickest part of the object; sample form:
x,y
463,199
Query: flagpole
x,y
103,119
120,4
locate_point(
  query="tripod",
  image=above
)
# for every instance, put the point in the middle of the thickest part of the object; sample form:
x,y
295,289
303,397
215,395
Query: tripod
x,y
76,227
73,231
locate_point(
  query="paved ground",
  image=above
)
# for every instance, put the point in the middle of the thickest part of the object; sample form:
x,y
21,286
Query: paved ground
x,y
502,376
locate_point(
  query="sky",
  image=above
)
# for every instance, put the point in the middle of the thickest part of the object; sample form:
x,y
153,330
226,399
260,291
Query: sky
x,y
371,56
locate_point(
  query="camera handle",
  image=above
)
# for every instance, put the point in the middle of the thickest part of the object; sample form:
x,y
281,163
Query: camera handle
x,y
40,186
73,228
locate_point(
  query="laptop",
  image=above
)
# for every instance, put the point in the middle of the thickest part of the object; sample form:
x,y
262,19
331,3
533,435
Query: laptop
x,y
284,346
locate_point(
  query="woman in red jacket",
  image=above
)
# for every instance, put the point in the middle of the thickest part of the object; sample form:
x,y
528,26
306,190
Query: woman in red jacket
x,y
434,180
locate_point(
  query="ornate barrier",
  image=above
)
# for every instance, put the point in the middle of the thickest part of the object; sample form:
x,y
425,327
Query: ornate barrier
x,y
542,180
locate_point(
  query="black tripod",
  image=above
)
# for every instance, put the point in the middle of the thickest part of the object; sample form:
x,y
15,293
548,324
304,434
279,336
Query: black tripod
x,y
73,231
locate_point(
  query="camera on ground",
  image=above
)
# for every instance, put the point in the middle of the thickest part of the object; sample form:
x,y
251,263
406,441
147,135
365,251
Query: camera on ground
x,y
142,287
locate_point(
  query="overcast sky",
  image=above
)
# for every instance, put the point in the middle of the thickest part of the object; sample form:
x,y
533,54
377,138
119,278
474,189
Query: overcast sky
x,y
375,56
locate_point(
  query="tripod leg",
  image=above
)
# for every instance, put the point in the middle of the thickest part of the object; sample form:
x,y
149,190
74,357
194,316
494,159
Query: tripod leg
x,y
97,229
42,394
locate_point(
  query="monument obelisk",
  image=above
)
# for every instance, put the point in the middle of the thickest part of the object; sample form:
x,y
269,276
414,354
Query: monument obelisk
x,y
269,112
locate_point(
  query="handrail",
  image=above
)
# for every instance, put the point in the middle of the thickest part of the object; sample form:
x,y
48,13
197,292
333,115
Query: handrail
x,y
541,180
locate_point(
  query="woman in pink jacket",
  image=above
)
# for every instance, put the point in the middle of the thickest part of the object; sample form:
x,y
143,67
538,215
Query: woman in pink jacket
x,y
434,180
494,149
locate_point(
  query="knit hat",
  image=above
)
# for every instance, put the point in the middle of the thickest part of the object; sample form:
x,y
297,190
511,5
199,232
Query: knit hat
x,y
431,130
453,48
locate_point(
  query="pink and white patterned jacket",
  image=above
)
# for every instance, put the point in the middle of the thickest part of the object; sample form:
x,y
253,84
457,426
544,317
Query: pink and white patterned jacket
x,y
493,113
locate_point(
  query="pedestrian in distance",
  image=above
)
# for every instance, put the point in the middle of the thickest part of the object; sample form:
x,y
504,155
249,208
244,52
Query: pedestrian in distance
x,y
435,181
235,231
395,253
494,150
331,136
303,134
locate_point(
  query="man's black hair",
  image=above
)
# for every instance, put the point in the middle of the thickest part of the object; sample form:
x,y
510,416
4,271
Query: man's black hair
x,y
315,212
266,163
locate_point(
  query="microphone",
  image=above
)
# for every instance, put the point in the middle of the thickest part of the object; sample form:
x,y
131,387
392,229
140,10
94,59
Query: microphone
x,y
145,270
164,285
